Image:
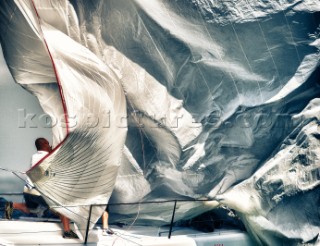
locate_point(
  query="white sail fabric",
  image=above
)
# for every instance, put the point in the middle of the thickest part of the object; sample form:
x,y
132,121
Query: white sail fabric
x,y
222,100
88,108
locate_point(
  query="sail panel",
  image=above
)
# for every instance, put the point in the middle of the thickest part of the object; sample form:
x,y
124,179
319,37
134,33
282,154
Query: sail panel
x,y
221,98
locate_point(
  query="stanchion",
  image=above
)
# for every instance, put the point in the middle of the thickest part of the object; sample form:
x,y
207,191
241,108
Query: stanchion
x,y
172,219
88,225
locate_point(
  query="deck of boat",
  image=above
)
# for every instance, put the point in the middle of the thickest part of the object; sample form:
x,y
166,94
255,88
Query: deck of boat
x,y
24,232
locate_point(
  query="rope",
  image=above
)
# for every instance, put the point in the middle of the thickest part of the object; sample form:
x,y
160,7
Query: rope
x,y
14,172
129,227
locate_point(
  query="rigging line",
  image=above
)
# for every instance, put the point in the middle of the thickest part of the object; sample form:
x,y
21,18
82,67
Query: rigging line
x,y
245,55
291,34
218,52
20,177
134,221
119,235
12,171
192,55
154,43
220,57
264,37
124,238
15,173
134,203
129,227
141,202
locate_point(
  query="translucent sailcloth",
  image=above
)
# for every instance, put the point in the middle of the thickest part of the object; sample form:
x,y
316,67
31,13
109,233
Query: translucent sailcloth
x,y
222,100
87,106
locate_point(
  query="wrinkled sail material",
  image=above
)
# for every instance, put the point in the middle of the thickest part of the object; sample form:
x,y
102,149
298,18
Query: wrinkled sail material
x,y
222,100
86,102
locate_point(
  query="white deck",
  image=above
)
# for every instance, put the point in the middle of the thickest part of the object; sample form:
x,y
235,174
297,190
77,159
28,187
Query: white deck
x,y
16,232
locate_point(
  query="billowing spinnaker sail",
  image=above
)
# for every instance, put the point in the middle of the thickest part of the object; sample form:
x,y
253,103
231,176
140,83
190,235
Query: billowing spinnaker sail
x,y
215,91
269,198
88,110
